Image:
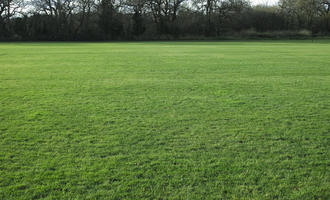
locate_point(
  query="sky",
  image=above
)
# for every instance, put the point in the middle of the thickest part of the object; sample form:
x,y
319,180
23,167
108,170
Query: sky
x,y
268,2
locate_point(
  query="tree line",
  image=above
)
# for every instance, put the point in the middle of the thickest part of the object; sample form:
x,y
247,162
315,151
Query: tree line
x,y
156,19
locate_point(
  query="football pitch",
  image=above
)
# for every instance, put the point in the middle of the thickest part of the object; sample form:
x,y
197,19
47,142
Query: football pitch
x,y
165,120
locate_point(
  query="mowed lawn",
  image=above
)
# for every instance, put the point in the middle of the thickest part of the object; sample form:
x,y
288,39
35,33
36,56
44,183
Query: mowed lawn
x,y
165,120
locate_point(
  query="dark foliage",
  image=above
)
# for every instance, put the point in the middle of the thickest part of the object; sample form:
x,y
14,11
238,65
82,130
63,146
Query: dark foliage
x,y
157,19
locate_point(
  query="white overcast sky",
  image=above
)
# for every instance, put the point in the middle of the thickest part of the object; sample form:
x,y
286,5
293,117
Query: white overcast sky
x,y
268,2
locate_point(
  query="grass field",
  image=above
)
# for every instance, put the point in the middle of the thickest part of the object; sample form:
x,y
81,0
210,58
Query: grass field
x,y
165,120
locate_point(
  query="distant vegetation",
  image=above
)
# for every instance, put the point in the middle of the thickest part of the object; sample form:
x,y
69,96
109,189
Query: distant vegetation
x,y
159,19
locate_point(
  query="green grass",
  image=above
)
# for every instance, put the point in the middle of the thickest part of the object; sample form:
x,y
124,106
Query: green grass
x,y
165,120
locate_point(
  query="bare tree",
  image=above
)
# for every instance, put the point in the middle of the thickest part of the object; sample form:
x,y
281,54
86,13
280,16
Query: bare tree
x,y
60,12
8,9
137,8
164,13
85,9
